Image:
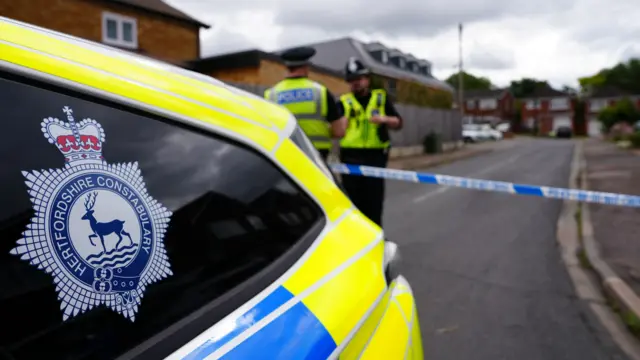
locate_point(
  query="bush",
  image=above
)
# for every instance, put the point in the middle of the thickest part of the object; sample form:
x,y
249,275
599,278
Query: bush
x,y
635,140
618,137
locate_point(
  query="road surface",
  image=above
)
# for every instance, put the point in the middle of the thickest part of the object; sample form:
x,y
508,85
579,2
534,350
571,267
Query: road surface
x,y
485,267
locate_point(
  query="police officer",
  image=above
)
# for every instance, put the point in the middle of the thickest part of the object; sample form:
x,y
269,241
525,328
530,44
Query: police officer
x,y
370,115
311,103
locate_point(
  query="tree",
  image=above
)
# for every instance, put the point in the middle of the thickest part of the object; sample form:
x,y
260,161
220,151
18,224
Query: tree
x,y
579,116
625,76
525,87
469,82
623,111
569,90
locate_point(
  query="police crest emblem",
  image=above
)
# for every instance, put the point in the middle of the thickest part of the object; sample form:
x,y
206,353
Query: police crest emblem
x,y
96,230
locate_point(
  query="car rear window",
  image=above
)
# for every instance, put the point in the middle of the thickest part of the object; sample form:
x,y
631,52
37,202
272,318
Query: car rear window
x,y
117,226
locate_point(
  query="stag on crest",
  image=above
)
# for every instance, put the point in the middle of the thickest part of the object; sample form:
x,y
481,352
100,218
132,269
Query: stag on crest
x,y
102,229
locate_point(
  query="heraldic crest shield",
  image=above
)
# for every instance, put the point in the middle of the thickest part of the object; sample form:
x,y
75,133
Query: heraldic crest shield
x,y
96,230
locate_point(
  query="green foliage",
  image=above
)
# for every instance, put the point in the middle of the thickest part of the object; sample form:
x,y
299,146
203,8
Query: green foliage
x,y
623,111
592,81
421,95
569,90
625,76
516,122
634,139
525,87
469,82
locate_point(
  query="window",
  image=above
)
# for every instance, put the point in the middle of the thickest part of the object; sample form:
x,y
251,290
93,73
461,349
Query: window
x,y
530,122
559,104
401,63
385,57
119,30
391,87
427,70
533,104
487,104
302,141
597,104
238,224
471,104
416,68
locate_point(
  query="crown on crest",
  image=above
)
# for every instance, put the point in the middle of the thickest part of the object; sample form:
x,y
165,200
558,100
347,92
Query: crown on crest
x,y
79,142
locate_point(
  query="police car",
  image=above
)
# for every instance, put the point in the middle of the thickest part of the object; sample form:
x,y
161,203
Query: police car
x,y
150,212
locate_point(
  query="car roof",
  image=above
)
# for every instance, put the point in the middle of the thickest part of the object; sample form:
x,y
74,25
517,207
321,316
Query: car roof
x,y
29,50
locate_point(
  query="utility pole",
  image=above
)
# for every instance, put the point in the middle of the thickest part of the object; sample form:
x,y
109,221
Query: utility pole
x,y
460,78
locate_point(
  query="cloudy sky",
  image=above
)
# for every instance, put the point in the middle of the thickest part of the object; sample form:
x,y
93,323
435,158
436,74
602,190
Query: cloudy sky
x,y
555,40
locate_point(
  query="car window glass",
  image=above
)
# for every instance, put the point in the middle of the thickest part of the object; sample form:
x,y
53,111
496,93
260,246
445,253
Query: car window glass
x,y
232,216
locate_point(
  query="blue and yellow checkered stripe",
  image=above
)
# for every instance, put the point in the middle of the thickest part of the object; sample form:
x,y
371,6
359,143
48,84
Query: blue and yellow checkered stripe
x,y
330,292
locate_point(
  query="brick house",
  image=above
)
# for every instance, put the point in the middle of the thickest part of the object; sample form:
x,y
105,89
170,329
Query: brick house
x,y
495,105
601,97
549,109
149,27
262,69
405,77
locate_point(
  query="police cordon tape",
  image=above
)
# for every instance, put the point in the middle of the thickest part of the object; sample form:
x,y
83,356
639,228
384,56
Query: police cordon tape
x,y
489,185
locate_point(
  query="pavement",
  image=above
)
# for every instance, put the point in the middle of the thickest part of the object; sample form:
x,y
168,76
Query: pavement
x,y
466,151
485,267
615,229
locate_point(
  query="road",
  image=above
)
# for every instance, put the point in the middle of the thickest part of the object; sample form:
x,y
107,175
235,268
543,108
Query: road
x,y
485,267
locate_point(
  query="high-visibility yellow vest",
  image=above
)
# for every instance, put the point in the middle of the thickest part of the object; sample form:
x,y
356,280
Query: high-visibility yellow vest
x,y
361,132
307,101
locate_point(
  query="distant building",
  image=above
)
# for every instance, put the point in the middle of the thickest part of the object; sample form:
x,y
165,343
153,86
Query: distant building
x,y
149,27
548,108
601,97
255,70
496,105
406,77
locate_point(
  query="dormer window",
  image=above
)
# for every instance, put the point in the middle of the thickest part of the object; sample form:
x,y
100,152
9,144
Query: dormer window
x,y
385,57
416,68
426,69
401,63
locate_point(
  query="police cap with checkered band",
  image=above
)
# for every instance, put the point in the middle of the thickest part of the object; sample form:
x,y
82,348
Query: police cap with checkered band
x,y
298,56
355,68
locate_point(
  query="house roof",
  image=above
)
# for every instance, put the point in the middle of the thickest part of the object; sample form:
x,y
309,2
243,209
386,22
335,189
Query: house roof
x,y
484,94
333,54
607,91
547,92
162,8
247,58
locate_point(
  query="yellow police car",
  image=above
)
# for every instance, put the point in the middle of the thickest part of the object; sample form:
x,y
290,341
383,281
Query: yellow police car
x,y
150,212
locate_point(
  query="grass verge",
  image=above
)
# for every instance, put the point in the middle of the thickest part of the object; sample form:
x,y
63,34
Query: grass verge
x,y
581,253
630,320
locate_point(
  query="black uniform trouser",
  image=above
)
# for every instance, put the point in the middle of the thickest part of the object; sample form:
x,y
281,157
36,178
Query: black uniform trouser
x,y
366,193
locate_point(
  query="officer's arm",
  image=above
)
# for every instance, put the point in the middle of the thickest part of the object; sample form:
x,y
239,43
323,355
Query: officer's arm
x,y
392,118
335,116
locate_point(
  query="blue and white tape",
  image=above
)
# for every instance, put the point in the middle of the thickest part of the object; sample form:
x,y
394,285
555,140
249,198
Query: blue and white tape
x,y
489,185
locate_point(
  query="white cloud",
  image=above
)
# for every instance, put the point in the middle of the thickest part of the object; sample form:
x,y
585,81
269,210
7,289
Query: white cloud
x,y
504,40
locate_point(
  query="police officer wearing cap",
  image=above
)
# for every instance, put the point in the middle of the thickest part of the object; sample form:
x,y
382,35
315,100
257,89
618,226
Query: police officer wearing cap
x,y
311,103
370,115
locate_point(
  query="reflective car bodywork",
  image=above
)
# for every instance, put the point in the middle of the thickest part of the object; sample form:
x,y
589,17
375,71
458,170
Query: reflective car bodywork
x,y
343,298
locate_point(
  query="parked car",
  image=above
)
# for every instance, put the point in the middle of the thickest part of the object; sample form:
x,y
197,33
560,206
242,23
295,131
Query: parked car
x,y
151,212
564,132
479,132
503,127
492,133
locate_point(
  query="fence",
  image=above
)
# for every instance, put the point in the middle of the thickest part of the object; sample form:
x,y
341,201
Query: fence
x,y
418,121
